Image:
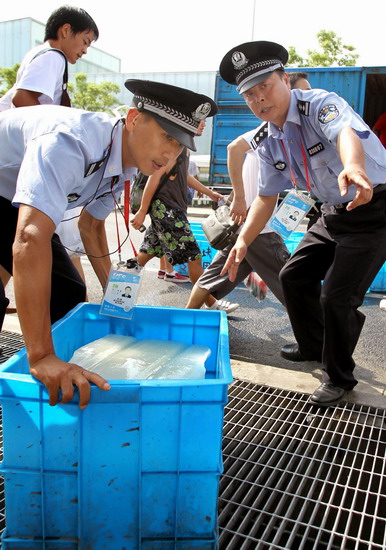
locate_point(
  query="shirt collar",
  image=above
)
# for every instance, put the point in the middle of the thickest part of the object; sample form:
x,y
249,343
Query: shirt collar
x,y
293,115
114,163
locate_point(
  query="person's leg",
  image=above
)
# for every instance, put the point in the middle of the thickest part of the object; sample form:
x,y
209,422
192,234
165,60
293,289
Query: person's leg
x,y
267,255
143,258
301,280
345,250
4,302
76,260
8,222
164,266
4,276
211,283
359,256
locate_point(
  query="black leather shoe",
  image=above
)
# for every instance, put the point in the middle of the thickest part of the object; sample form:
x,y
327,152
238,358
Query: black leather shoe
x,y
327,395
291,352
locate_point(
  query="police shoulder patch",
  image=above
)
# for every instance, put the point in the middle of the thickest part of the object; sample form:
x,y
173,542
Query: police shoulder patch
x,y
261,134
328,113
304,107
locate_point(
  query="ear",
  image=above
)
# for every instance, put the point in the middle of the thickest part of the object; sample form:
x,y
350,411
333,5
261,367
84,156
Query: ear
x,y
131,118
65,30
287,80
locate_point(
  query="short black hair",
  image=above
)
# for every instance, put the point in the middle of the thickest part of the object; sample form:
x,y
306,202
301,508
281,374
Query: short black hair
x,y
295,76
78,18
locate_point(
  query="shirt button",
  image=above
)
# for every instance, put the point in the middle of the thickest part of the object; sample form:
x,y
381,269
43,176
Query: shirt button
x,y
291,140
324,163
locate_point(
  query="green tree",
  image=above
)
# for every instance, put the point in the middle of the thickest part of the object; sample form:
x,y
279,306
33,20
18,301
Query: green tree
x,y
332,51
294,59
91,96
8,78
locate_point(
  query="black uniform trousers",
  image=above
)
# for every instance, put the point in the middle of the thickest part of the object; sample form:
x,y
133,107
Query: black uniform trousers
x,y
345,250
67,287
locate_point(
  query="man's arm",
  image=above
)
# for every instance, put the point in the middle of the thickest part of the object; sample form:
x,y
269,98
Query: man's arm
x,y
93,234
258,216
25,98
32,266
352,155
236,156
198,186
148,194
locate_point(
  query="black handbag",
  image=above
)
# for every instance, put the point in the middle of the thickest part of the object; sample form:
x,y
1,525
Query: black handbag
x,y
219,228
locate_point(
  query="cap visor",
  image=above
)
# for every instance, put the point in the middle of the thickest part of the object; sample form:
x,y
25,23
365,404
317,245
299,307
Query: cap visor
x,y
256,80
177,133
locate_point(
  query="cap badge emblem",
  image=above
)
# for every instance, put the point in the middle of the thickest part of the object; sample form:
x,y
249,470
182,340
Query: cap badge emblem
x,y
201,112
239,60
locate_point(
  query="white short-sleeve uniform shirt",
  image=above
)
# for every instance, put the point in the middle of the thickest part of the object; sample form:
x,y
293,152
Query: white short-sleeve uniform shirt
x,y
251,169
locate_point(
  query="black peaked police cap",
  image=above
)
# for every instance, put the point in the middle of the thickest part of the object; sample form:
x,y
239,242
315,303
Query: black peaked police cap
x,y
249,64
177,110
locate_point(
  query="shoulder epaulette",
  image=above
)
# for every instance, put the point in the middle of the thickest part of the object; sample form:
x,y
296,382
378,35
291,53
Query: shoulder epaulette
x,y
261,134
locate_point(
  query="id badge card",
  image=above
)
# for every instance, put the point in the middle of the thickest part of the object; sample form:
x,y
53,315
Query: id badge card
x,y
291,212
121,290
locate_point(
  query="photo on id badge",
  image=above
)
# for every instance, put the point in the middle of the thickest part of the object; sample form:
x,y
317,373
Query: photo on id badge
x,y
121,292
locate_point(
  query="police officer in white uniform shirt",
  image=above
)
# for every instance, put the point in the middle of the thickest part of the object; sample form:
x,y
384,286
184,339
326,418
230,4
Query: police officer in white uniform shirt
x,y
316,141
53,159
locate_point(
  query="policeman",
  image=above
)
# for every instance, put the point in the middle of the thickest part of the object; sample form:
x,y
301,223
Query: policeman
x,y
53,159
317,142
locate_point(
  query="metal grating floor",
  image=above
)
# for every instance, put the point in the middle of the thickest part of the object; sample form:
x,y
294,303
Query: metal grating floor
x,y
295,478
298,478
10,342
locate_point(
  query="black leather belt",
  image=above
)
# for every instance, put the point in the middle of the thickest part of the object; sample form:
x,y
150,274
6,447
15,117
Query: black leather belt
x,y
378,189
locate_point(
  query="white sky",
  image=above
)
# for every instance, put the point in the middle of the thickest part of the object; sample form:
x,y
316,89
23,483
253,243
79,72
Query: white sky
x,y
177,35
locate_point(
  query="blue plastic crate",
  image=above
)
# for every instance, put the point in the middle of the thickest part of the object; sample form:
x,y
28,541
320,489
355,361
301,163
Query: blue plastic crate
x,y
293,240
139,468
379,283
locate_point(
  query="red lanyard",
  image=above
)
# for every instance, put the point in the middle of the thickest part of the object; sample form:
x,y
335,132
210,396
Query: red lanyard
x,y
304,161
114,180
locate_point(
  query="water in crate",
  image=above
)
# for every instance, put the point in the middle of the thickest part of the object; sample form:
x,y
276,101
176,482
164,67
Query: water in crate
x,y
119,357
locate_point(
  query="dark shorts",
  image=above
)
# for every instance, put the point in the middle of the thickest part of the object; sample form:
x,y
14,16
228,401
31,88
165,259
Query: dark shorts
x,y
170,235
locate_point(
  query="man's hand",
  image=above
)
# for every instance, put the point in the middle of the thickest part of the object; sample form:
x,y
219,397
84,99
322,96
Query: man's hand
x,y
138,219
238,211
59,375
355,175
215,196
236,256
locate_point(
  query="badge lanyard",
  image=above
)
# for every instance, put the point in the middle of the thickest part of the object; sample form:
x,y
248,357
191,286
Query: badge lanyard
x,y
295,206
124,280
